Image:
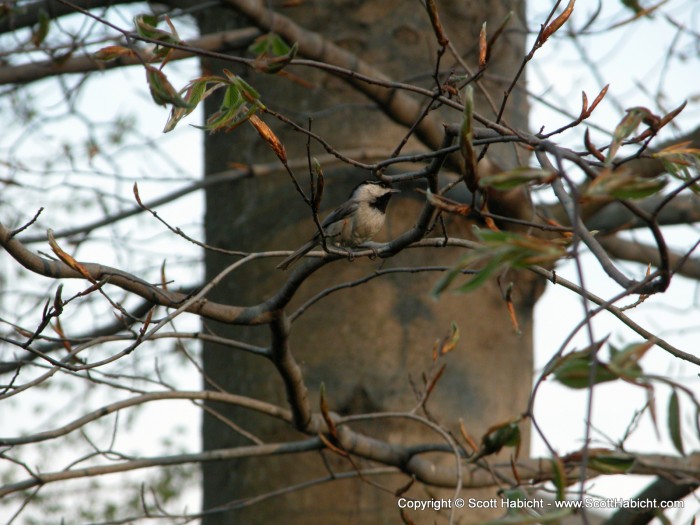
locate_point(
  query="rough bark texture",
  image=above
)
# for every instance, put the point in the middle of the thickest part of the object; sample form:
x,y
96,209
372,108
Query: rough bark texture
x,y
365,343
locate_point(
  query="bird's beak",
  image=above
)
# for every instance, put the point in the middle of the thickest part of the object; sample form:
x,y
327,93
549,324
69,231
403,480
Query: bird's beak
x,y
394,190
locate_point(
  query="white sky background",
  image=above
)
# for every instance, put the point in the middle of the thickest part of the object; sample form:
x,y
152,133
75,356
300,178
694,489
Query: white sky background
x,y
624,57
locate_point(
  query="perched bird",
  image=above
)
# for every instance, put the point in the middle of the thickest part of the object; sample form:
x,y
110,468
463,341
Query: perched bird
x,y
352,223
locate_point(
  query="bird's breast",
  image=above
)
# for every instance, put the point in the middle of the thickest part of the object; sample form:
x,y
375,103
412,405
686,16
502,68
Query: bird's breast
x,y
362,227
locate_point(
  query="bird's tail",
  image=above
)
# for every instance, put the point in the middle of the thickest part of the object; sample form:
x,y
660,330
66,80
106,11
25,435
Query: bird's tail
x,y
296,255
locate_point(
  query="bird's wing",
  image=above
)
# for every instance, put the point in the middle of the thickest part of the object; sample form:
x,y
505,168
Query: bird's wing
x,y
298,254
341,212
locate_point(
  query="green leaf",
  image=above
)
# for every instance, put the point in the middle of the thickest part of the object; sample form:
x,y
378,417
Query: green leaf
x,y
681,162
481,277
146,27
41,30
501,248
162,90
625,362
232,98
277,64
629,123
639,188
270,44
521,251
674,422
560,479
574,369
272,53
611,463
229,119
445,281
499,436
239,103
247,91
194,93
448,278
624,185
517,177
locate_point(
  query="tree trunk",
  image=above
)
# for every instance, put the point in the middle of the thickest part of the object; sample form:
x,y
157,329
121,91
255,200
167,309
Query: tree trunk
x,y
368,343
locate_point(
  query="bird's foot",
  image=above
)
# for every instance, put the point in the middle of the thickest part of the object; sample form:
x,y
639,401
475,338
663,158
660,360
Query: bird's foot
x,y
374,247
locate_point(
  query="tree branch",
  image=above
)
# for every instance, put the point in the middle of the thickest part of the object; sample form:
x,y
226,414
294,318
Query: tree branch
x,y
254,170
270,449
644,254
205,395
617,312
110,329
647,287
126,281
397,105
683,209
288,368
659,491
26,73
406,458
26,15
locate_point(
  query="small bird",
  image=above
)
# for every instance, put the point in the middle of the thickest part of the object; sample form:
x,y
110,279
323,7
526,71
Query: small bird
x,y
352,223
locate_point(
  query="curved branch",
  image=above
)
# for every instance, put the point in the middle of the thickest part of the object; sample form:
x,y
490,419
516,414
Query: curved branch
x,y
288,368
110,329
415,234
617,312
642,253
254,170
649,286
407,458
206,395
131,283
398,105
270,449
206,45
22,16
683,210
659,491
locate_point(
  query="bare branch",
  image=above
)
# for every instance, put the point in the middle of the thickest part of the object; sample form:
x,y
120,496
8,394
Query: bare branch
x,y
206,395
27,14
206,45
126,281
270,449
648,287
644,254
684,209
617,312
659,491
297,393
367,79
109,329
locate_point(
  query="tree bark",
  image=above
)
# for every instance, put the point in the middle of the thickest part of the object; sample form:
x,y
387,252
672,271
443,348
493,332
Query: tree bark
x,y
365,344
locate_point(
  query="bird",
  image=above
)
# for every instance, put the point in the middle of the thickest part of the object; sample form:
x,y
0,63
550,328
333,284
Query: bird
x,y
352,223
